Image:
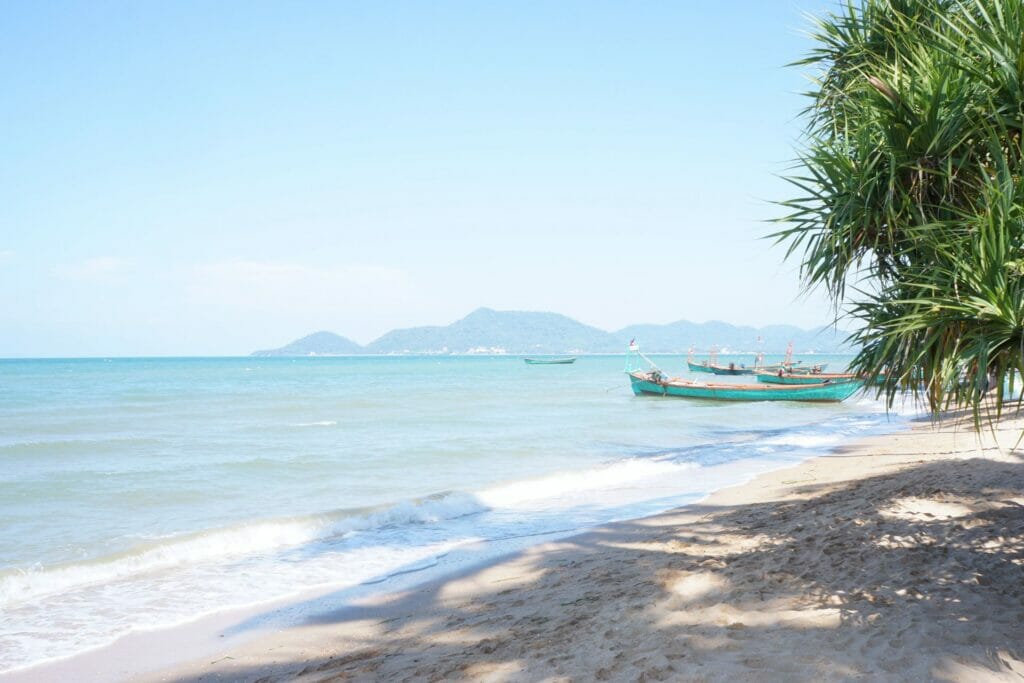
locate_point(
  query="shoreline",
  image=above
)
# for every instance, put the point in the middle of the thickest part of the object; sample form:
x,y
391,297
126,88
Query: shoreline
x,y
532,594
637,493
714,591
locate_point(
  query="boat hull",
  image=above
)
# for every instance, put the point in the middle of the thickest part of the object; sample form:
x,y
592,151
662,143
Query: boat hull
x,y
775,378
725,370
698,367
827,392
549,361
804,370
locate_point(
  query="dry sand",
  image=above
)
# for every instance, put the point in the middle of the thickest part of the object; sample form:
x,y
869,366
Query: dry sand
x,y
899,558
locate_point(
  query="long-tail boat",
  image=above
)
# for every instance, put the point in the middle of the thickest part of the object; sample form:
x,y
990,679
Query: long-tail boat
x,y
653,382
799,369
702,366
549,361
711,365
731,369
793,367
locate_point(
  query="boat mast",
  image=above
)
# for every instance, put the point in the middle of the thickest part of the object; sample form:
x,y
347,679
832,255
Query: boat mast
x,y
634,348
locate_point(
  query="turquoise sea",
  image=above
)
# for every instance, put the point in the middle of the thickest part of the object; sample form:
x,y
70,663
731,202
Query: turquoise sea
x,y
138,494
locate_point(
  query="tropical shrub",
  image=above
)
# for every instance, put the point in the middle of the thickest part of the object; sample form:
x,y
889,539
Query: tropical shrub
x,y
910,179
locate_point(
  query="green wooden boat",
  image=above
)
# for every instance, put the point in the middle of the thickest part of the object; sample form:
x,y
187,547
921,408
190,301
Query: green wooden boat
x,y
731,369
801,369
549,361
655,384
795,378
698,367
710,365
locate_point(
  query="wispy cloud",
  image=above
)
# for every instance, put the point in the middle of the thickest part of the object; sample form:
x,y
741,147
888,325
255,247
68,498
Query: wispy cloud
x,y
98,270
6,256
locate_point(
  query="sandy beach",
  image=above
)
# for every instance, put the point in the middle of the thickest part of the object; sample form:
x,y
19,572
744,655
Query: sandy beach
x,y
900,557
552,342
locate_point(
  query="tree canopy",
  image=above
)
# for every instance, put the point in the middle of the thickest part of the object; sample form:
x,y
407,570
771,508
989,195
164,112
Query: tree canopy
x,y
910,180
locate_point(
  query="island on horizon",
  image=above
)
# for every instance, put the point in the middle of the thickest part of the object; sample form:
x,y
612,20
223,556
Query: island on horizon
x,y
488,331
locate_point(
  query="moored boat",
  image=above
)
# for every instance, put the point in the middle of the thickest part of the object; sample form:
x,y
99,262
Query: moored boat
x,y
711,365
654,383
801,369
731,369
782,377
701,366
549,361
791,366
698,367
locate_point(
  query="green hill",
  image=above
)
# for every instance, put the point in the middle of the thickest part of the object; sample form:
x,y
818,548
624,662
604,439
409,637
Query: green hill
x,y
510,331
526,332
316,344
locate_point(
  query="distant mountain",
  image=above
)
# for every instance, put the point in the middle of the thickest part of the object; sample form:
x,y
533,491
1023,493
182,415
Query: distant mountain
x,y
511,331
524,332
316,344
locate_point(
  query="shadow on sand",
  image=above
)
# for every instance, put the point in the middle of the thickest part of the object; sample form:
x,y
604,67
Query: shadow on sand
x,y
916,574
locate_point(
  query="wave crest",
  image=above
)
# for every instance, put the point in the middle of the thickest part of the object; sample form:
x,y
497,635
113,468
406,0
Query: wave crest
x,y
247,539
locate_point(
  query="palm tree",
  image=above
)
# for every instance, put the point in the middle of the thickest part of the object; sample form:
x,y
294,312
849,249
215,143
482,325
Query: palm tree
x,y
910,211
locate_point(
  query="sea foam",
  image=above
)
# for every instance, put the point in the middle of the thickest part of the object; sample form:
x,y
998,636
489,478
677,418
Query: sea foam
x,y
220,544
338,506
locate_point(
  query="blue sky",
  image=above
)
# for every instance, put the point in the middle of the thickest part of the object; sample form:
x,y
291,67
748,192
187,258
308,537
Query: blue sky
x,y
211,178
